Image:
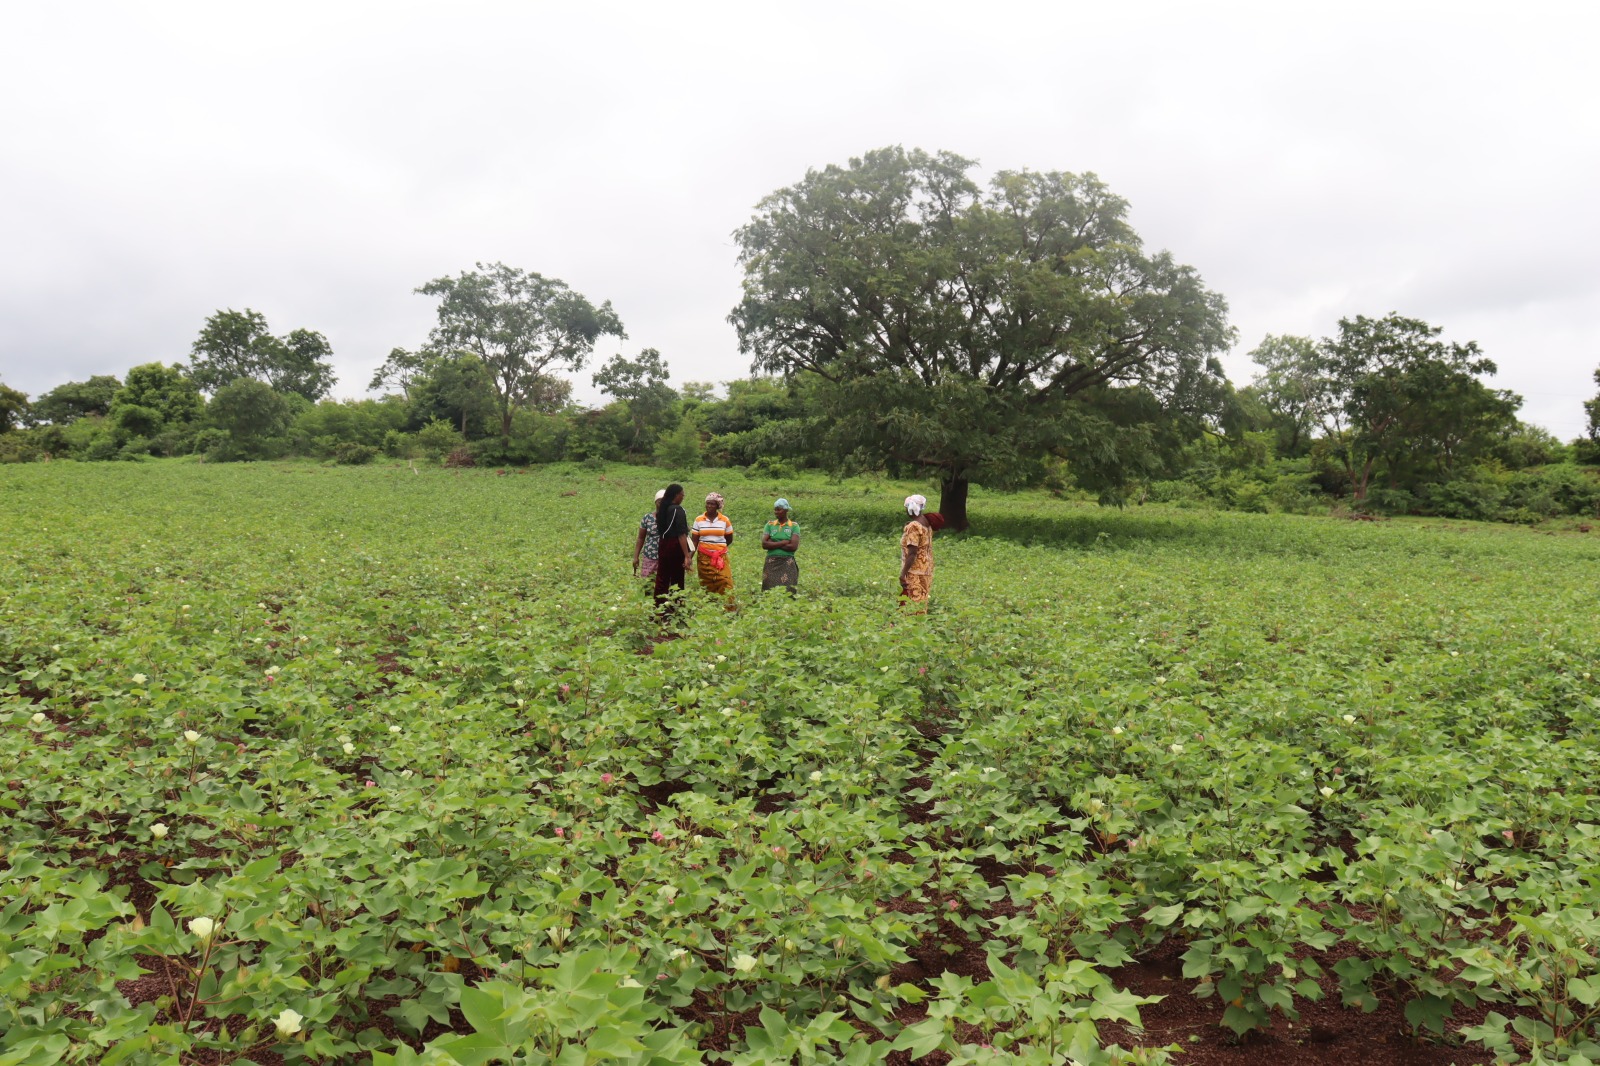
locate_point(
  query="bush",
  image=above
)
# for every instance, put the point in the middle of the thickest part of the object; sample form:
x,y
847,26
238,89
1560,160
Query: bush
x,y
352,454
1391,501
460,458
1463,498
679,451
776,469
438,439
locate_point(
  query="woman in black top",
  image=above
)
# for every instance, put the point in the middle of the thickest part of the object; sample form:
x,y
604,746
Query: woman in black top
x,y
673,524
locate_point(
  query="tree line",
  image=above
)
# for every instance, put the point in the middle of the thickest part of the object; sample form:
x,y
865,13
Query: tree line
x,y
900,317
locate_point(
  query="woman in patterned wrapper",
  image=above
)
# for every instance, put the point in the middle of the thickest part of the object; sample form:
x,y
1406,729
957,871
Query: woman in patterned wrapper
x,y
916,551
648,543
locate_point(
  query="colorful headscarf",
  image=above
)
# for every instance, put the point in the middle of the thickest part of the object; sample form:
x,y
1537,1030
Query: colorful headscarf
x,y
714,498
915,504
781,504
935,520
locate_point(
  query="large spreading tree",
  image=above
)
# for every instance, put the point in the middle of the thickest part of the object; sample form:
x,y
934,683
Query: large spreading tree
x,y
973,332
520,325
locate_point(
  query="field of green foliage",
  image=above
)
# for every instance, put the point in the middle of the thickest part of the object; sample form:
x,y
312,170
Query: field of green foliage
x,y
301,763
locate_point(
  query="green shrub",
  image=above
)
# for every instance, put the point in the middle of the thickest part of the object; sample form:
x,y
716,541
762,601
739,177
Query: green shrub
x,y
352,454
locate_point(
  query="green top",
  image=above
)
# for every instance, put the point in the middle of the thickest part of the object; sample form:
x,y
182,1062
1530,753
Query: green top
x,y
783,532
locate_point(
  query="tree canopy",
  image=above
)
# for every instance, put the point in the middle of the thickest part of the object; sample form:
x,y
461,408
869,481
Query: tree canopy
x,y
75,399
236,344
519,325
974,332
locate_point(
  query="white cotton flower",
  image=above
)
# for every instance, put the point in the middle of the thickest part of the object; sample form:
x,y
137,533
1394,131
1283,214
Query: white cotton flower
x,y
349,748
628,982
1116,730
1161,680
38,718
344,739
1326,791
138,679
1176,749
676,953
1349,719
202,927
744,963
158,830
407,773
394,729
816,776
191,737
288,1023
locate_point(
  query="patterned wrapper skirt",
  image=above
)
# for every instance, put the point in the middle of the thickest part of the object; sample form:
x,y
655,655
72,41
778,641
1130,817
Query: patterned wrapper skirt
x,y
780,571
718,580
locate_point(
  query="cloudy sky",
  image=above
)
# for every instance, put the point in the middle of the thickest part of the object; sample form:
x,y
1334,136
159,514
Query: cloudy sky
x,y
319,161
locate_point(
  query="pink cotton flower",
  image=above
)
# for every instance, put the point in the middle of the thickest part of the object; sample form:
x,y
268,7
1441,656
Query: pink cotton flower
x,y
560,832
1509,834
950,905
372,784
605,779
658,836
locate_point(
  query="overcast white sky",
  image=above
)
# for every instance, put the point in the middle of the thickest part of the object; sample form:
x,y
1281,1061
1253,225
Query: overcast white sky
x,y
317,162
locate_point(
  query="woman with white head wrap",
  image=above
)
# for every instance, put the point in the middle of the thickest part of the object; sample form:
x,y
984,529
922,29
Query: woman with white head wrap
x,y
916,550
648,543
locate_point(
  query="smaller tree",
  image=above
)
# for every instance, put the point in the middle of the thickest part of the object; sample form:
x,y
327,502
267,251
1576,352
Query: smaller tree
x,y
252,414
236,344
680,450
1290,387
154,398
1592,409
520,324
13,408
74,400
642,384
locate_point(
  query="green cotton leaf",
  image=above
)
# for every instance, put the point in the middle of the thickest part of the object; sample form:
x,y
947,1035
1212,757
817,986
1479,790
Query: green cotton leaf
x,y
1116,1004
1585,990
1239,1020
920,1039
1164,916
484,1008
1428,1012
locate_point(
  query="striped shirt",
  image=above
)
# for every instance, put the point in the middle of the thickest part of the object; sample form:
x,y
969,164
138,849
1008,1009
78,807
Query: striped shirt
x,y
712,532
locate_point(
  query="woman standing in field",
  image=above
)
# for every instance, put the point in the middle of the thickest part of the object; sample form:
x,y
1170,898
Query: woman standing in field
x,y
916,551
781,538
713,536
648,542
672,526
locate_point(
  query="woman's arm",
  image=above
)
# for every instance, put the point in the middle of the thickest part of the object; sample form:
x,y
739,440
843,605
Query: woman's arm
x,y
683,542
638,546
794,540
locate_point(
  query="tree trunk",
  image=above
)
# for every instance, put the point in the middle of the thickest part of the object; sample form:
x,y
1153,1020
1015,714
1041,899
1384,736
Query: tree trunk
x,y
953,502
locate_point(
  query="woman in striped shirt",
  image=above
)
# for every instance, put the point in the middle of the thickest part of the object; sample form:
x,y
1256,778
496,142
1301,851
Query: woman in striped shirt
x,y
713,536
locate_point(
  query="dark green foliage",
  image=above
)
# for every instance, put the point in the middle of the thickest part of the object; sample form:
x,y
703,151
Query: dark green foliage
x,y
251,416
236,344
13,408
75,400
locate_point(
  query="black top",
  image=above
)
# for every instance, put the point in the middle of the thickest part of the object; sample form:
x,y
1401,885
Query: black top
x,y
677,525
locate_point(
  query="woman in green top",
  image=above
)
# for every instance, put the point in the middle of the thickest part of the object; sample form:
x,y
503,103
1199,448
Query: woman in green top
x,y
781,538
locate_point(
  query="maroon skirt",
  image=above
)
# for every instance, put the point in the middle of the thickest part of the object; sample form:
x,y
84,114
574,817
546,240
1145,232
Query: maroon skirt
x,y
670,571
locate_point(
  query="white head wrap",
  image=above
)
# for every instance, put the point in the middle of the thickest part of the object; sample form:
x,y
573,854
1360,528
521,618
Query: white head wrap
x,y
660,493
915,504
